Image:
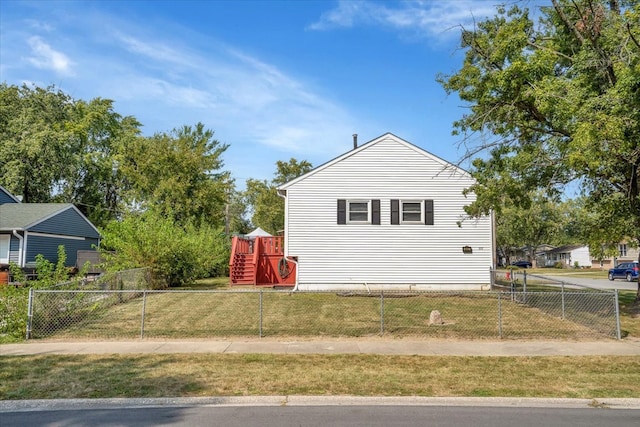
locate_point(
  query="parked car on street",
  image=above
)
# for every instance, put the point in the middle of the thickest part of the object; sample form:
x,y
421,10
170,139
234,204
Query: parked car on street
x,y
625,270
522,264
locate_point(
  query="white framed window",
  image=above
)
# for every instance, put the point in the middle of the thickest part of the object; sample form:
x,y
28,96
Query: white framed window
x,y
412,212
622,248
4,249
358,211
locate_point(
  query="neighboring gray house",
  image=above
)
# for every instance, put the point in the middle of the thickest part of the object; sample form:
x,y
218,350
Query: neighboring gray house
x,y
29,229
386,215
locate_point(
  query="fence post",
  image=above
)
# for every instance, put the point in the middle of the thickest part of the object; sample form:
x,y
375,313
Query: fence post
x,y
381,312
617,304
144,306
512,284
499,315
512,277
120,286
562,295
260,326
29,313
524,287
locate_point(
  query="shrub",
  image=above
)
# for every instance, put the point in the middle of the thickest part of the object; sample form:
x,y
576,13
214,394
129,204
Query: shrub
x,y
13,313
179,254
14,299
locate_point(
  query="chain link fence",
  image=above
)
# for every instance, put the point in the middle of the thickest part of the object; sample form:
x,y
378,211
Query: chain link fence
x,y
135,313
71,303
593,308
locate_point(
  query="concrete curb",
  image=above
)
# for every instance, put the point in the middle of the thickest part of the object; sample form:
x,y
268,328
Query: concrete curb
x,y
226,401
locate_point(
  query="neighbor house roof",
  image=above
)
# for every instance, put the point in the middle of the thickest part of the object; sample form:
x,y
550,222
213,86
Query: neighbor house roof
x,y
22,216
566,248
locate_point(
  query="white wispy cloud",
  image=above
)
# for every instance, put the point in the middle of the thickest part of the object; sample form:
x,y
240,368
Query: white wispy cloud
x,y
227,85
149,49
44,56
171,77
416,17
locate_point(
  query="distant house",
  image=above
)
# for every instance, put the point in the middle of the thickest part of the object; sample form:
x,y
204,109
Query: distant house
x,y
528,253
386,215
568,256
626,253
29,229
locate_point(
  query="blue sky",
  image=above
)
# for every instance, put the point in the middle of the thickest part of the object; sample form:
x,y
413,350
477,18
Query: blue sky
x,y
273,79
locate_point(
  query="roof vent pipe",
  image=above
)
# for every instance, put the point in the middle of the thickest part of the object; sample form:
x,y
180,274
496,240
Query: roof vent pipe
x,y
355,141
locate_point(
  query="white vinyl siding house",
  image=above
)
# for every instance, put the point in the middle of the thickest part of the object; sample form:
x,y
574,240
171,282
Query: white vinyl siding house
x,y
385,215
569,256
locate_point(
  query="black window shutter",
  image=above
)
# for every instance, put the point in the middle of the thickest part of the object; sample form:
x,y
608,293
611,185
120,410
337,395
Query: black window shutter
x,y
375,212
342,211
395,211
428,212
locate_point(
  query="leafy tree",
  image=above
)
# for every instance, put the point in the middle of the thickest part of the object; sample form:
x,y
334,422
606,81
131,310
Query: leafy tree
x,y
98,138
593,227
267,207
554,103
34,153
262,196
530,228
55,148
177,253
236,211
179,174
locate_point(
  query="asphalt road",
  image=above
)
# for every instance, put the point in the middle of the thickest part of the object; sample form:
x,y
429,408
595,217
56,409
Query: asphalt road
x,y
335,416
593,283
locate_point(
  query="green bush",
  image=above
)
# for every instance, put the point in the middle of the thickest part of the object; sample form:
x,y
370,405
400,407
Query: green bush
x,y
178,254
14,298
13,313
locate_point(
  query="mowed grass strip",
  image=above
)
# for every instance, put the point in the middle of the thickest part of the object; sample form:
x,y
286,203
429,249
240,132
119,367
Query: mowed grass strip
x,y
172,314
108,376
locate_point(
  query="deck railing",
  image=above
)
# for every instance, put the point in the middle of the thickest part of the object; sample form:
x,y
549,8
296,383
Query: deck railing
x,y
271,245
240,245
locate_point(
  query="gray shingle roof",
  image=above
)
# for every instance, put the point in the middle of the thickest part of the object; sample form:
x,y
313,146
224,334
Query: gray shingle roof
x,y
19,216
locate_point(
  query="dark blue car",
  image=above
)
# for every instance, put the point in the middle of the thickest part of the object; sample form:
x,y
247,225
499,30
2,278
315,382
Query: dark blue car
x,y
625,270
522,264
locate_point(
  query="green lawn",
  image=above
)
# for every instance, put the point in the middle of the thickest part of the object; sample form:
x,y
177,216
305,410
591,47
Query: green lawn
x,y
172,375
205,314
105,376
175,314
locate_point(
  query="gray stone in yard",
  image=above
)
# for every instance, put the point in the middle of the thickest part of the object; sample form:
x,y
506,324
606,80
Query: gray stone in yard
x,y
435,318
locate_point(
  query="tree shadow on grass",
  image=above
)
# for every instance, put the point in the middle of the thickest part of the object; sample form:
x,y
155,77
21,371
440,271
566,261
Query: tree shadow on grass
x,y
94,376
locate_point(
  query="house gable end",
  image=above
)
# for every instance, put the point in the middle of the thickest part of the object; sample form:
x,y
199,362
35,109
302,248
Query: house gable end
x,y
69,222
385,214
6,197
445,166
